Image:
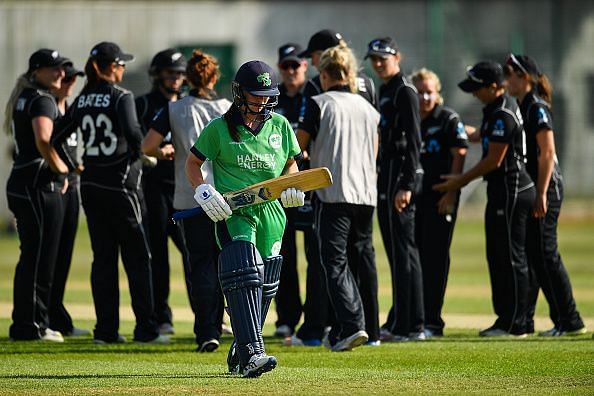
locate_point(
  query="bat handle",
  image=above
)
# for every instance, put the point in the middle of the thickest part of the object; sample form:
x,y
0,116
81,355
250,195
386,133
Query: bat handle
x,y
182,214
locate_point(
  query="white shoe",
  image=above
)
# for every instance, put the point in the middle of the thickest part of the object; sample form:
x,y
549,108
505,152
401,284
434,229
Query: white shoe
x,y
258,365
432,333
399,338
555,332
283,331
417,336
166,328
296,341
354,340
375,343
76,332
226,329
160,340
549,333
209,345
52,335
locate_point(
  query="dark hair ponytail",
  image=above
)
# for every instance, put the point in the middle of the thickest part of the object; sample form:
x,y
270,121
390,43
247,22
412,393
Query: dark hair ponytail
x,y
93,72
544,89
230,124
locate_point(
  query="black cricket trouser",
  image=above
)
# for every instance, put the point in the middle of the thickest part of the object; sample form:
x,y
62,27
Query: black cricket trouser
x,y
288,302
398,234
58,314
362,265
158,197
335,224
205,290
115,223
317,312
506,216
544,259
433,232
38,213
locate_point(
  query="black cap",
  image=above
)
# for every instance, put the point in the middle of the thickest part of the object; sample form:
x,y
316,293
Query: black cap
x,y
70,70
481,75
524,64
45,58
382,46
168,59
320,41
257,78
289,51
110,52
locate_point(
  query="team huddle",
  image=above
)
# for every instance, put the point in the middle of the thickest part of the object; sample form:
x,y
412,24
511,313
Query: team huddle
x,y
398,150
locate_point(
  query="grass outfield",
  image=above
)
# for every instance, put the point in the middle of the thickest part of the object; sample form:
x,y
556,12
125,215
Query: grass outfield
x,y
461,362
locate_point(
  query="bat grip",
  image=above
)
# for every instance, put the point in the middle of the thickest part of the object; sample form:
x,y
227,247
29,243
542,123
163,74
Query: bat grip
x,y
182,214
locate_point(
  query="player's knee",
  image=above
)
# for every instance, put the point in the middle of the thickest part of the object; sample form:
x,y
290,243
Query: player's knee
x,y
272,270
240,266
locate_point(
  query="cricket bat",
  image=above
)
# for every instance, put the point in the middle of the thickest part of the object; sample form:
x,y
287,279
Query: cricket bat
x,y
269,190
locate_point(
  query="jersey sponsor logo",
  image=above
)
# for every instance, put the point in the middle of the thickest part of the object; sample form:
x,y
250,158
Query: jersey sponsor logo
x,y
264,78
206,194
256,161
498,128
72,140
460,131
275,141
93,100
433,146
276,248
542,116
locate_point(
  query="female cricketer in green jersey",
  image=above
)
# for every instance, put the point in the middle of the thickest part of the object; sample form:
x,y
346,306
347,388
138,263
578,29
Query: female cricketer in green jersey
x,y
247,145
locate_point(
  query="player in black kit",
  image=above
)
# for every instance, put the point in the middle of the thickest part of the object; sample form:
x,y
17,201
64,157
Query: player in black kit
x,y
533,90
167,72
510,194
443,151
106,116
34,193
398,179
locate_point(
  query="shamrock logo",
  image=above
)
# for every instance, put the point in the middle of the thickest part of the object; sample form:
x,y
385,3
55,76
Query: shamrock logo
x,y
264,78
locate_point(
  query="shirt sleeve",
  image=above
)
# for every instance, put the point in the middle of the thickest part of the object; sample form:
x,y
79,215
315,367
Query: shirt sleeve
x,y
541,117
456,134
126,111
500,128
407,104
311,118
208,145
43,106
160,122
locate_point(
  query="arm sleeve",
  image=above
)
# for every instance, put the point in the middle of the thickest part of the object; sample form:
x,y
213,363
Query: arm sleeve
x,y
126,111
456,134
408,105
311,118
207,146
500,128
43,106
160,122
541,116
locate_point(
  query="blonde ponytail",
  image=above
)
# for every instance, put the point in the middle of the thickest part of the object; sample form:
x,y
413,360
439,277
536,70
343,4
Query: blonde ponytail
x,y
340,64
21,83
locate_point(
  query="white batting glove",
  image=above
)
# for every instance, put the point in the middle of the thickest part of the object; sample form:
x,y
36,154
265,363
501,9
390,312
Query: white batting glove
x,y
292,197
212,202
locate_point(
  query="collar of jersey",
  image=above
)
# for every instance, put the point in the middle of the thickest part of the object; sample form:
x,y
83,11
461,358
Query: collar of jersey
x,y
237,119
340,88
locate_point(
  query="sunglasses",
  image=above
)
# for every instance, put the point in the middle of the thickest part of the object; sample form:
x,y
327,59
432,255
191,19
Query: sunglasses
x,y
69,79
290,65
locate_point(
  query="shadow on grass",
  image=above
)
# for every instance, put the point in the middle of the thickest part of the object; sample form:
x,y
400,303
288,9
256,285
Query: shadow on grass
x,y
117,376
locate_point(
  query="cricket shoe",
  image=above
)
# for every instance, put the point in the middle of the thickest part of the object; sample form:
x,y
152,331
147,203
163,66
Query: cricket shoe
x,y
77,332
120,340
258,365
296,341
52,335
283,331
233,359
417,336
555,332
354,340
166,328
209,345
496,332
429,333
158,340
386,335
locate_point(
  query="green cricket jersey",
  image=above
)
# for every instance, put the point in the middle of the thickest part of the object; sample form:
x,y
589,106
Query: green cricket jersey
x,y
251,160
